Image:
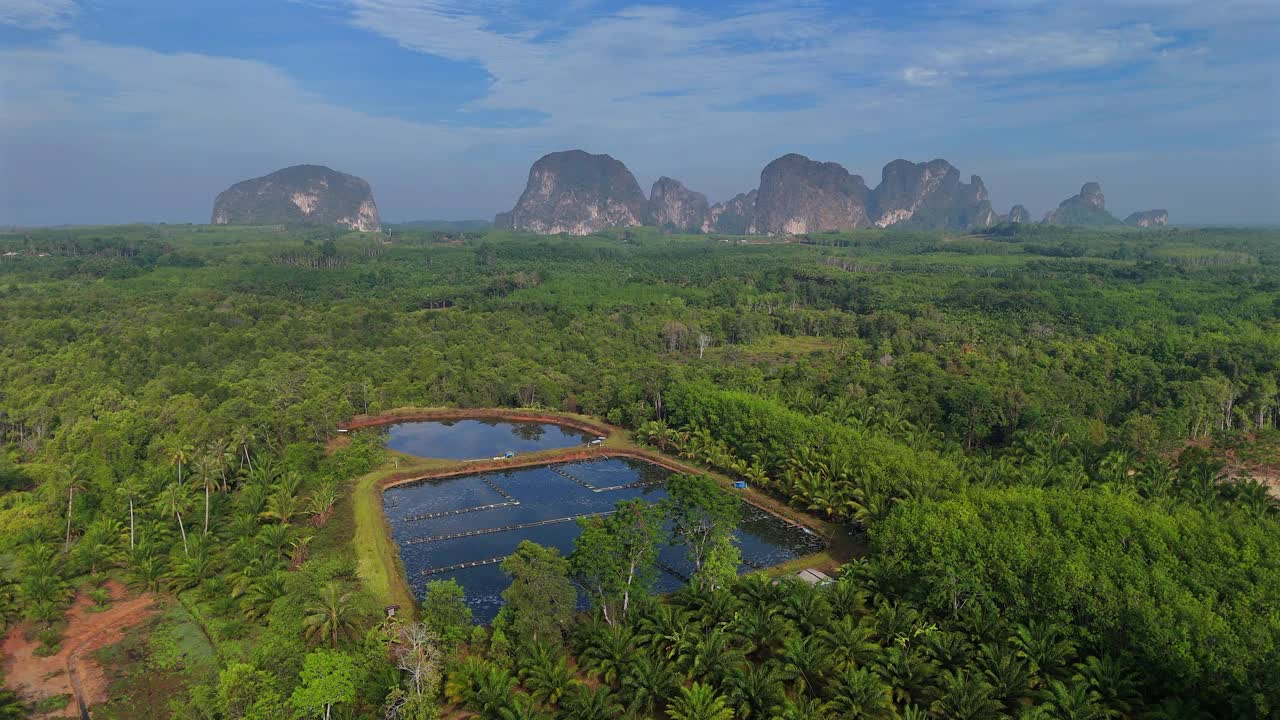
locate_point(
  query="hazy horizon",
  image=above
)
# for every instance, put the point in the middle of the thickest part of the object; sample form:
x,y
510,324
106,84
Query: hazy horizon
x,y
117,112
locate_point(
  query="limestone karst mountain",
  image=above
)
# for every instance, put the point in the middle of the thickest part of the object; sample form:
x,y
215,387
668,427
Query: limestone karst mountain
x,y
302,194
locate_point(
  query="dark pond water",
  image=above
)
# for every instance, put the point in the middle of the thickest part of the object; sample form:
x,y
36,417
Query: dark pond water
x,y
476,439
428,518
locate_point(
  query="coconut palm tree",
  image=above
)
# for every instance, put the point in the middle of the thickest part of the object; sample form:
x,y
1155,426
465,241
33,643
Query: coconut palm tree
x,y
699,702
131,489
173,497
180,456
206,474
241,440
74,479
332,615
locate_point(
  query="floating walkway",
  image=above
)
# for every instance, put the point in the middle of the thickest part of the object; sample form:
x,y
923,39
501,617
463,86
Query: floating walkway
x,y
494,486
446,513
504,528
593,488
463,565
671,571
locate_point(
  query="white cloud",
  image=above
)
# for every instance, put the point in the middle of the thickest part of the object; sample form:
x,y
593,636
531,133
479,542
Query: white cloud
x,y
37,14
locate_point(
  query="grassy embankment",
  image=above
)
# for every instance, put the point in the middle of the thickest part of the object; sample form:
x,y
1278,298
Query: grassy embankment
x,y
378,559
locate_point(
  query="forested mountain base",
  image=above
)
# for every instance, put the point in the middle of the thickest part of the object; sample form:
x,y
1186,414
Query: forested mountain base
x,y
1046,434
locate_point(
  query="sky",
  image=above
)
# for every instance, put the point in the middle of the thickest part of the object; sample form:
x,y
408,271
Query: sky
x,y
114,111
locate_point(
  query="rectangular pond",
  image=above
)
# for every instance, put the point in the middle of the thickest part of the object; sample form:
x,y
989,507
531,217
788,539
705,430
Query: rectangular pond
x,y
459,527
479,439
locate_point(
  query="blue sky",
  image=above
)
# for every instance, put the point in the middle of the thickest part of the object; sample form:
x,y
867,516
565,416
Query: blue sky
x,y
114,111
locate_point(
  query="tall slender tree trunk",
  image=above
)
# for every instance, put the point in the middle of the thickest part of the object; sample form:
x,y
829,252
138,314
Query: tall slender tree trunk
x,y
71,494
131,522
182,530
206,506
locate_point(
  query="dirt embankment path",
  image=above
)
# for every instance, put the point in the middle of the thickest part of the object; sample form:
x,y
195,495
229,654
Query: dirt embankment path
x,y
72,670
576,422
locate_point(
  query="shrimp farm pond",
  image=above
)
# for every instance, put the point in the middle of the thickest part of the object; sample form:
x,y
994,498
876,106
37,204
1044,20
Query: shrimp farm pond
x,y
462,527
477,439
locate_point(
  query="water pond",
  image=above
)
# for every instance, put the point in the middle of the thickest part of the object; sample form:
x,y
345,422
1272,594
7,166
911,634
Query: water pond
x,y
441,524
476,439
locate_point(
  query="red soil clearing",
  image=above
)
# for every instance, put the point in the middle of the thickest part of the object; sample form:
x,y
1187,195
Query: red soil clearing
x,y
36,678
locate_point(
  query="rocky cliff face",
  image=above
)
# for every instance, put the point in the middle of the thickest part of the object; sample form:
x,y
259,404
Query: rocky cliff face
x,y
798,195
305,194
1089,208
1148,218
736,216
674,207
1018,214
577,193
930,195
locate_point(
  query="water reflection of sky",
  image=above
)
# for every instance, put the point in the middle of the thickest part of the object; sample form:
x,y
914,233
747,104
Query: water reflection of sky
x,y
475,439
545,493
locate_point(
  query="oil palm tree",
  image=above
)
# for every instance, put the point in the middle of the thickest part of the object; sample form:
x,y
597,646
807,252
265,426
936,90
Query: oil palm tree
x,y
1008,673
966,696
522,707
608,653
699,702
861,694
755,691
493,692
1114,680
908,673
1042,644
546,674
1074,700
586,703
647,685
331,616
804,661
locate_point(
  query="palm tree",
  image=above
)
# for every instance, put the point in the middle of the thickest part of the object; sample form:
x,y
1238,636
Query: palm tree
x,y
1114,681
608,654
206,472
1075,701
521,708
804,661
131,489
241,439
282,507
908,673
715,656
332,615
1008,673
546,674
180,456
1041,643
493,692
699,702
75,481
755,691
647,685
966,696
585,703
174,497
221,454
860,694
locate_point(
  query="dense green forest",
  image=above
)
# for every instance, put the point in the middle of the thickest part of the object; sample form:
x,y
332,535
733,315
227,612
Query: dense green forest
x,y
1050,439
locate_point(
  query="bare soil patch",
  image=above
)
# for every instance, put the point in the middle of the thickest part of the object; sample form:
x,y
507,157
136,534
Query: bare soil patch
x,y
36,678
